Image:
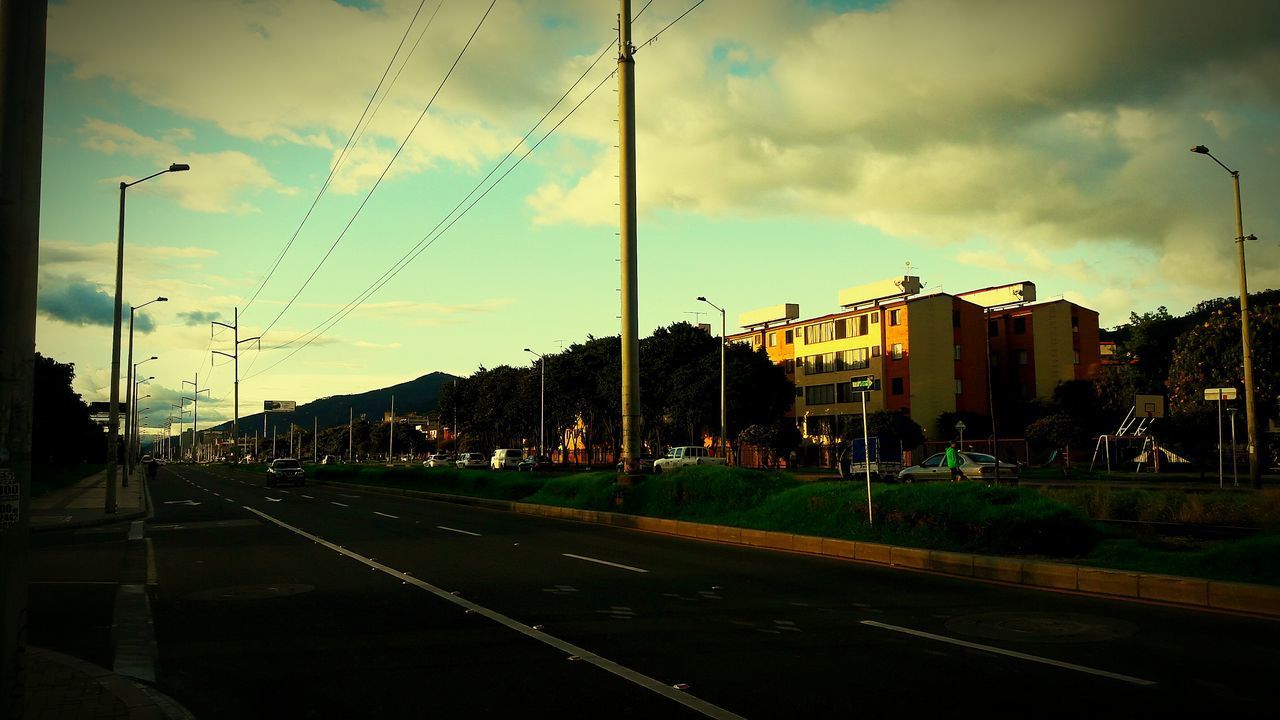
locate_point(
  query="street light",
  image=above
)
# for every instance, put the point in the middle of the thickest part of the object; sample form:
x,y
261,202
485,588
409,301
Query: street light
x,y
113,416
129,401
1246,338
542,422
723,446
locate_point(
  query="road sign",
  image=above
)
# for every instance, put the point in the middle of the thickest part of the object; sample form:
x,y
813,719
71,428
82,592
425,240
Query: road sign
x,y
1220,393
863,383
960,426
279,406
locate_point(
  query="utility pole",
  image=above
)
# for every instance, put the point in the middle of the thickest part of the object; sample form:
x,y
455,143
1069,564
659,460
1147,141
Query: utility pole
x,y
195,415
391,433
22,63
350,436
315,433
235,357
628,255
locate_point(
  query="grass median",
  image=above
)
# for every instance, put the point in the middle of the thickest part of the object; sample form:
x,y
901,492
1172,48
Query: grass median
x,y
965,517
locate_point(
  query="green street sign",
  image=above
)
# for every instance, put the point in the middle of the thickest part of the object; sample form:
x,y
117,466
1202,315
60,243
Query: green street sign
x,y
866,382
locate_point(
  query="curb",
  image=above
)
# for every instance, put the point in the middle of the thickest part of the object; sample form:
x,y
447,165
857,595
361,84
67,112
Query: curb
x,y
138,701
1184,592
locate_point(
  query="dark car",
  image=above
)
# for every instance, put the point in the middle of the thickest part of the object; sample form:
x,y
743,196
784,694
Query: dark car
x,y
285,470
534,462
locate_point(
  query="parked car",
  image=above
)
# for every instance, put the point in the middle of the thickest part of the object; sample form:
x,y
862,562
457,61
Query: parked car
x,y
471,461
439,460
973,466
285,470
678,457
646,464
533,462
505,458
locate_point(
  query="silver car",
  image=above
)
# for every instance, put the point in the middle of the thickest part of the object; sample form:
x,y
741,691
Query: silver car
x,y
439,460
472,461
973,466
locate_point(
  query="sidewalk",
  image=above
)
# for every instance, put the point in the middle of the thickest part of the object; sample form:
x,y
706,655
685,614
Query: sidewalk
x,y
60,685
84,503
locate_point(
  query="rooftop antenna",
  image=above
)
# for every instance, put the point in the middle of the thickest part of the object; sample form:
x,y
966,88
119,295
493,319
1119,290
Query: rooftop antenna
x,y
697,316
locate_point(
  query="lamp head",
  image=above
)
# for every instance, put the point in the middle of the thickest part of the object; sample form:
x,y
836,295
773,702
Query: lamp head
x,y
703,299
162,299
179,167
1200,149
527,350
153,357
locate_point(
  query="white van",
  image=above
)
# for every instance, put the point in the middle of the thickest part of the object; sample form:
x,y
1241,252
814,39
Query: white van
x,y
505,458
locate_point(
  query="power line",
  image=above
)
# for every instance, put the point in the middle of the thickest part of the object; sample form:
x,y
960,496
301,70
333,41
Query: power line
x,y
668,25
427,241
385,170
351,139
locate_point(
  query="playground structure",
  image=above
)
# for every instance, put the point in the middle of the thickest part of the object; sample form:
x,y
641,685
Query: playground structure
x,y
1135,428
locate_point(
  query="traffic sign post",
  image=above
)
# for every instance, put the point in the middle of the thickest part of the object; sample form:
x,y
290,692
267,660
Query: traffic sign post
x,y
1220,394
863,385
960,426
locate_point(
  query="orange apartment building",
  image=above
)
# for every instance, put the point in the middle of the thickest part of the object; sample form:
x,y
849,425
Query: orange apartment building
x,y
927,350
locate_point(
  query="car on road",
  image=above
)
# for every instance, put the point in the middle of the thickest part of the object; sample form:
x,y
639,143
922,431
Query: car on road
x,y
678,457
285,470
533,462
471,461
973,466
646,464
439,460
506,458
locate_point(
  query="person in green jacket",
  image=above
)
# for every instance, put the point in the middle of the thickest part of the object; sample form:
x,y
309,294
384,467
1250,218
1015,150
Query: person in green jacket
x,y
953,462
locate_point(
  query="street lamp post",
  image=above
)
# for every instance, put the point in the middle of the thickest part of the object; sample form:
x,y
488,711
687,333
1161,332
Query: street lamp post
x,y
130,401
131,420
128,429
135,443
1246,338
113,415
723,445
542,415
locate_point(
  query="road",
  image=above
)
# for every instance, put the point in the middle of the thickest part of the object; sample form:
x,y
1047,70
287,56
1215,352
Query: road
x,y
323,602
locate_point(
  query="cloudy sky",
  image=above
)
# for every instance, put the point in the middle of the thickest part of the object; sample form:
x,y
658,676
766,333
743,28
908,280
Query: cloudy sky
x,y
787,149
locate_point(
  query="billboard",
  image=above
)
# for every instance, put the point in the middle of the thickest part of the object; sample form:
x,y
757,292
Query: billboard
x,y
279,406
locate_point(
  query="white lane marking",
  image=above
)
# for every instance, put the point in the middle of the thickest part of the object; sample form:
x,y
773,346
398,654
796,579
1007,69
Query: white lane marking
x,y
73,582
308,497
135,530
283,492
268,498
151,564
644,681
228,499
605,562
192,503
218,494
335,502
1012,654
464,532
348,496
393,517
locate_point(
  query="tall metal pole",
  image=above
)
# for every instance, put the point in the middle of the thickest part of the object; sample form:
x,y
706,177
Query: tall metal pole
x,y
391,433
866,456
350,447
724,445
235,358
129,401
1219,439
22,63
627,235
113,413
1246,337
542,420
1235,466
315,426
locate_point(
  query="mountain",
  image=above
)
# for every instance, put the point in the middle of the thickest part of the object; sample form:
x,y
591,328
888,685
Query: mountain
x,y
421,395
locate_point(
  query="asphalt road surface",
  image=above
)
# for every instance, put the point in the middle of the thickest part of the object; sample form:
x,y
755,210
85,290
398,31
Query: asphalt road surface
x,y
318,602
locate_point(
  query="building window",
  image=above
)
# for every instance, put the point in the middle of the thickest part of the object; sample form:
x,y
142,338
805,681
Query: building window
x,y
789,366
959,386
1075,357
857,359
875,318
819,394
1075,323
1020,326
1022,357
895,351
820,332
799,392
993,328
957,352
896,386
955,318
857,326
875,351
895,316
787,337
773,339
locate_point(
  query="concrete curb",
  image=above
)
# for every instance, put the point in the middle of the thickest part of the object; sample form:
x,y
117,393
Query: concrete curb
x,y
138,702
1261,600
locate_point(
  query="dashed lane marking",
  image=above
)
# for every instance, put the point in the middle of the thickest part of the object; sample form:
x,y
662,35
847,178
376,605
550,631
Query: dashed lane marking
x,y
308,497
582,654
393,517
456,530
604,562
335,502
1012,654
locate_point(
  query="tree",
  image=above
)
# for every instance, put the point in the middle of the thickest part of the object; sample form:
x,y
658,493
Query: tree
x,y
777,439
61,430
